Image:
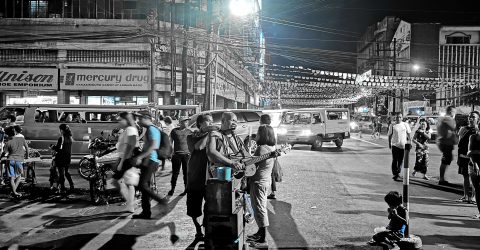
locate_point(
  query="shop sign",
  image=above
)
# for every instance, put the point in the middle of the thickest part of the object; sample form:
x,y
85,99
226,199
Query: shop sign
x,y
28,79
105,79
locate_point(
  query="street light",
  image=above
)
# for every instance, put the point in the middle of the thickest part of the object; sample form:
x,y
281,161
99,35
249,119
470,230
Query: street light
x,y
242,7
416,67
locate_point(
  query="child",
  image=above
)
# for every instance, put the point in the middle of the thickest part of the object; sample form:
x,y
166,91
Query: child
x,y
15,149
395,230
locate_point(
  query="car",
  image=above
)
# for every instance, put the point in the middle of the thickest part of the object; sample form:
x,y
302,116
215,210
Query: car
x,y
315,126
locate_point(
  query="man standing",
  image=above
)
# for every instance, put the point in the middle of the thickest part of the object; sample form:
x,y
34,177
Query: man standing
x,y
446,141
463,160
149,162
181,154
398,136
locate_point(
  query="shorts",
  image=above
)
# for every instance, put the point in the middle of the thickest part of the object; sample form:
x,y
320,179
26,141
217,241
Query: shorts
x,y
15,168
447,153
463,165
127,164
194,203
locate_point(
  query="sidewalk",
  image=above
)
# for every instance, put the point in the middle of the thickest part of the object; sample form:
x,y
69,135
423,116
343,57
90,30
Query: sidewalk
x,y
452,175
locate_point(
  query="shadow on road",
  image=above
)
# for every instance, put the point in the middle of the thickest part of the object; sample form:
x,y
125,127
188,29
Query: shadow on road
x,y
283,229
457,241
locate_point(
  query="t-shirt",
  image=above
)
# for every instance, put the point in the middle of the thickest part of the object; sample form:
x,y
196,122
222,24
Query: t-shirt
x,y
446,131
152,134
395,223
399,134
179,137
123,140
464,137
264,168
197,166
64,150
15,148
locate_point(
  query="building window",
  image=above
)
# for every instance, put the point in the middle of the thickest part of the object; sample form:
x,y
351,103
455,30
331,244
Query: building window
x,y
458,38
38,8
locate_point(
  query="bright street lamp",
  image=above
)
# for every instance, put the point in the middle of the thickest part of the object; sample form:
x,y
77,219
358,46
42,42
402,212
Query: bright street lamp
x,y
416,67
242,7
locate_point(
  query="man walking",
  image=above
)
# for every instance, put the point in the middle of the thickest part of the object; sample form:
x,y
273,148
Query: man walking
x,y
398,136
446,141
149,162
463,160
181,154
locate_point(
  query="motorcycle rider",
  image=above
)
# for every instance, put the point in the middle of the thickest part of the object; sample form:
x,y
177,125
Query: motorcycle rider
x,y
127,145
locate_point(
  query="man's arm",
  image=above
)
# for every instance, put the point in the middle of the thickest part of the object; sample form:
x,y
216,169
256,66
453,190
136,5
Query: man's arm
x,y
390,133
26,148
213,154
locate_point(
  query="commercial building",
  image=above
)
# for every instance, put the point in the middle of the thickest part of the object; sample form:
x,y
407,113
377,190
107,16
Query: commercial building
x,y
120,52
459,58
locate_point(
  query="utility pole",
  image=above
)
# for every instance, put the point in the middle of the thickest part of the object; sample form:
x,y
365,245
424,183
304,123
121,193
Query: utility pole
x,y
186,15
194,72
173,53
394,71
208,81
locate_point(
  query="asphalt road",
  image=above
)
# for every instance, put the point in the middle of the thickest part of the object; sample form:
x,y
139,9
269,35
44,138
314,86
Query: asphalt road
x,y
329,199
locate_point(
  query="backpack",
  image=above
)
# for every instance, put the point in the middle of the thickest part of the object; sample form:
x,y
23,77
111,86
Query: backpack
x,y
165,150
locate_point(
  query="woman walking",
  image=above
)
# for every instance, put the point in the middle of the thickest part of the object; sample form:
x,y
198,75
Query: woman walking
x,y
16,149
64,156
126,146
422,135
259,185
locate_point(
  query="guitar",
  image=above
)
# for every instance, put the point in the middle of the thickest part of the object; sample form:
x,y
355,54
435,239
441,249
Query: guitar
x,y
249,163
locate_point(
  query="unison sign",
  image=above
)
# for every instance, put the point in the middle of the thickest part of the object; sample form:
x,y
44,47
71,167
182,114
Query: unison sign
x,y
105,79
28,79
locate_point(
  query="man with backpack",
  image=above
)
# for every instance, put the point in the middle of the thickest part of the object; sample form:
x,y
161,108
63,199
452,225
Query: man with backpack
x,y
149,161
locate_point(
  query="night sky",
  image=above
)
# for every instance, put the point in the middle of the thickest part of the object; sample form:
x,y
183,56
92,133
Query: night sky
x,y
343,21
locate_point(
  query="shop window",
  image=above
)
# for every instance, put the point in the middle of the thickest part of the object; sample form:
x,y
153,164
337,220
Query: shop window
x,y
38,8
458,38
18,113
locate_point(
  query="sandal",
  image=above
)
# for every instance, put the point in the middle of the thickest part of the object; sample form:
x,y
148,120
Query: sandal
x,y
271,197
252,237
463,200
476,217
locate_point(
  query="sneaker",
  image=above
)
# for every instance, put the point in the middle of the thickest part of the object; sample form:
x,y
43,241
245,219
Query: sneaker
x,y
414,173
476,217
183,194
256,244
170,193
425,177
271,197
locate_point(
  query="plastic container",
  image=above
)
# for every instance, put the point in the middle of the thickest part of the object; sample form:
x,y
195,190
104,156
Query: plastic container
x,y
224,173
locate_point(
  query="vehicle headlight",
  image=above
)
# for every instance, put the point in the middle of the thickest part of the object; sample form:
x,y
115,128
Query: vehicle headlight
x,y
307,132
282,131
353,125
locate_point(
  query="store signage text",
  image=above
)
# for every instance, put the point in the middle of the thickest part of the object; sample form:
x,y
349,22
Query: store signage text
x,y
25,79
107,79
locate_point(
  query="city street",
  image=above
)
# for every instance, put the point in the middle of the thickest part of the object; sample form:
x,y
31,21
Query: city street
x,y
329,199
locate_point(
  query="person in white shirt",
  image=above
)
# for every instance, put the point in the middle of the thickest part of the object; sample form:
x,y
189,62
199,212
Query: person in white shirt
x,y
398,136
126,145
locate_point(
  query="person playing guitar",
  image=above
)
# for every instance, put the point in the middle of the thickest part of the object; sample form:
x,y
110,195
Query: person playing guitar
x,y
224,148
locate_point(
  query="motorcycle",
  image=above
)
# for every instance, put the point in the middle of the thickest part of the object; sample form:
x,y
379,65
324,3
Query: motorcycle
x,y
95,166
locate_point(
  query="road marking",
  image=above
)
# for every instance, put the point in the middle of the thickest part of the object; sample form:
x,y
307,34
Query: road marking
x,y
367,142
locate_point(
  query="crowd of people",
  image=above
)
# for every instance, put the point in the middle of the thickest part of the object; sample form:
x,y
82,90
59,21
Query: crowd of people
x,y
192,153
448,136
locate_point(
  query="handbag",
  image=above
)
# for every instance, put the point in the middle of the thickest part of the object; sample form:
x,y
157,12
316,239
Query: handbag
x,y
132,176
277,172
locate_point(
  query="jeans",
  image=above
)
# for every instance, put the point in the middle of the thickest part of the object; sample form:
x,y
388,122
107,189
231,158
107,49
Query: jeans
x,y
62,173
146,172
397,160
179,160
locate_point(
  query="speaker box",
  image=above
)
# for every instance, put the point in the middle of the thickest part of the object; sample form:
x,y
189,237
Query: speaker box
x,y
224,232
220,197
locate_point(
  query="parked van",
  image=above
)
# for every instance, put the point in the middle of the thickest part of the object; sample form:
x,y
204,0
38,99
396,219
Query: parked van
x,y
315,126
40,123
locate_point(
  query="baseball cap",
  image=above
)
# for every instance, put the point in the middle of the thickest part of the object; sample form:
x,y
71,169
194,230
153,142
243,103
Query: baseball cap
x,y
143,114
184,118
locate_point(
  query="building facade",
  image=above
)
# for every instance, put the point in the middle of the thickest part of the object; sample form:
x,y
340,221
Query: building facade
x,y
459,58
123,52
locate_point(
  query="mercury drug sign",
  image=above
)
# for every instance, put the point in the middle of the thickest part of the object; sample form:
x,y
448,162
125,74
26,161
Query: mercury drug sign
x,y
28,79
105,79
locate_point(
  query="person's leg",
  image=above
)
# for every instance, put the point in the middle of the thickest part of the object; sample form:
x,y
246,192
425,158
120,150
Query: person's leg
x,y
143,186
69,177
176,165
61,175
259,203
150,169
401,154
185,159
394,161
446,160
130,197
466,187
476,186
